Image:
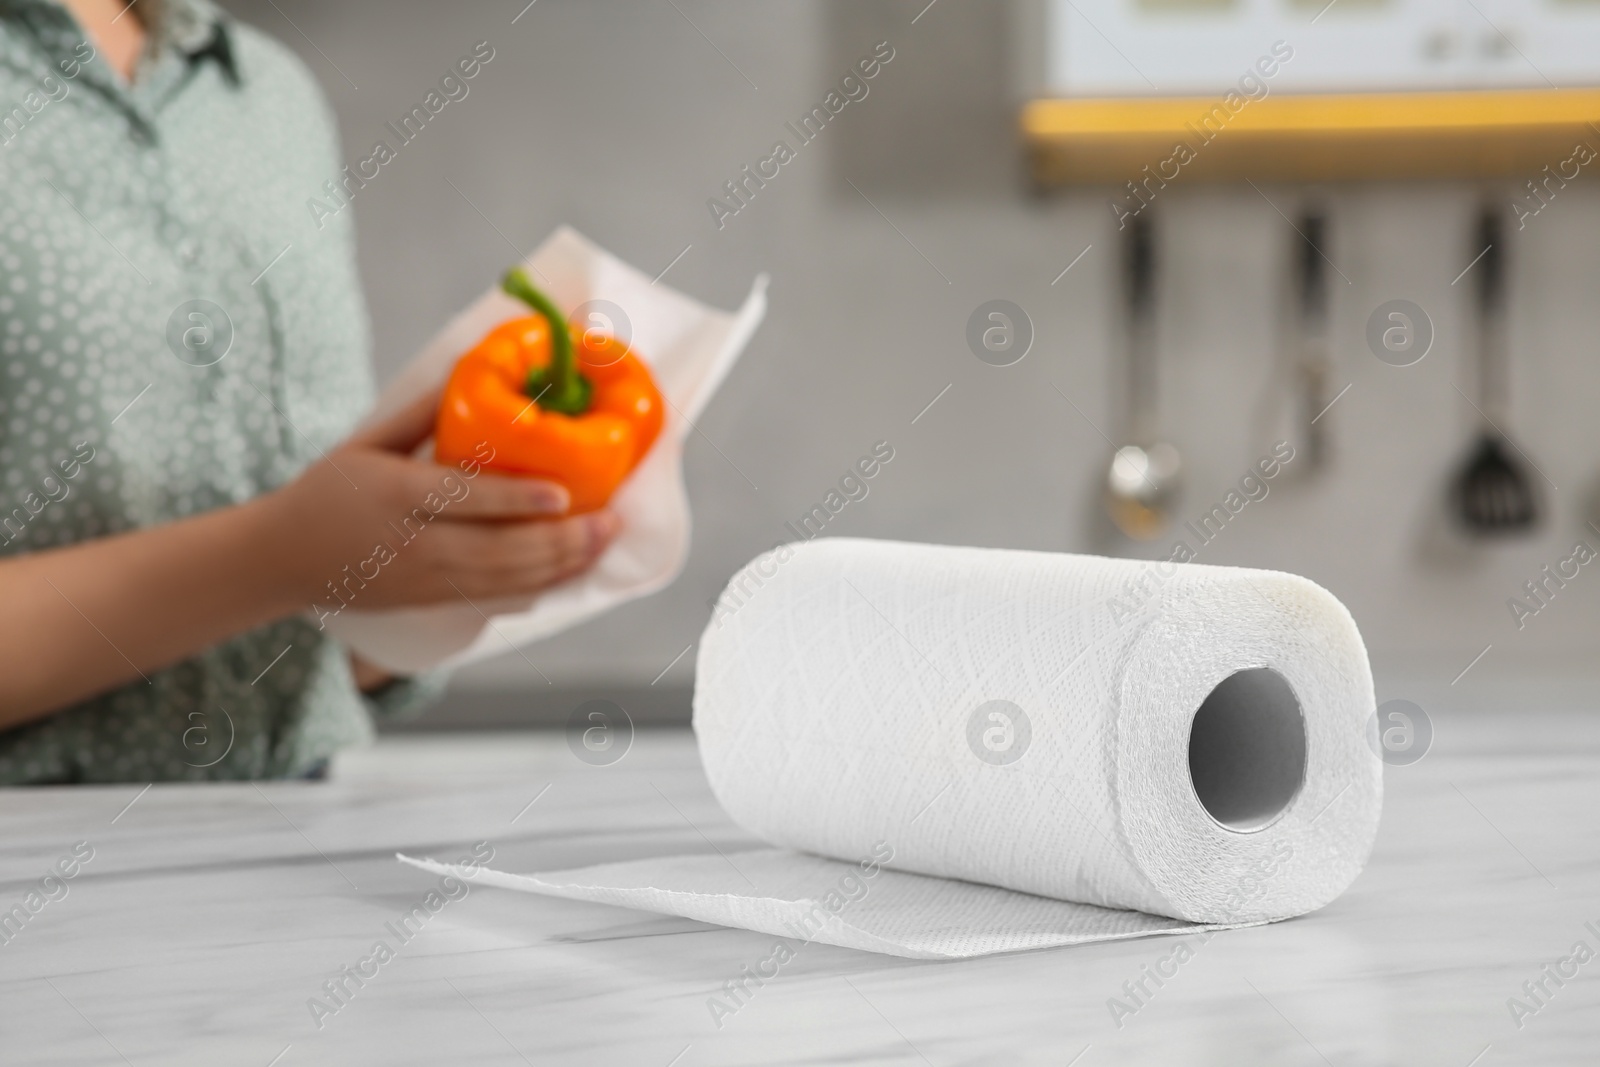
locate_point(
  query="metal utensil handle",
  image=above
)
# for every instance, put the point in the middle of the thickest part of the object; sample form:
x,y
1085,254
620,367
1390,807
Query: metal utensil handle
x,y
1138,253
1313,272
1312,335
1493,384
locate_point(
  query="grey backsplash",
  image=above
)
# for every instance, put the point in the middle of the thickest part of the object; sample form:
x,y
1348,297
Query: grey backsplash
x,y
882,236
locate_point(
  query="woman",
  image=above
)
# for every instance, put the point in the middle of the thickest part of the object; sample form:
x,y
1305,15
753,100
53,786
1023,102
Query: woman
x,y
181,351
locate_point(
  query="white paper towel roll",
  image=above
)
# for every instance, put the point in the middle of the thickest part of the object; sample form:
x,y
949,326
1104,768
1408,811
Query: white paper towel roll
x,y
1185,741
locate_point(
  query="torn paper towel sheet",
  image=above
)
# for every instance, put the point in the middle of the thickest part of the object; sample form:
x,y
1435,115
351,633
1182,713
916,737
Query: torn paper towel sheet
x,y
1035,748
808,898
689,348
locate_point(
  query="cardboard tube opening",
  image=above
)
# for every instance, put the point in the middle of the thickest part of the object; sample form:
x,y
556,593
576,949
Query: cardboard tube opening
x,y
1247,749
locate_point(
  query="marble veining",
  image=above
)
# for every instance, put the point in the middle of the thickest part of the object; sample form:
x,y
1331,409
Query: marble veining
x,y
210,917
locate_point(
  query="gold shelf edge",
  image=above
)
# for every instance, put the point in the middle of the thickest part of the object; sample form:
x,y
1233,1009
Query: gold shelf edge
x,y
1306,136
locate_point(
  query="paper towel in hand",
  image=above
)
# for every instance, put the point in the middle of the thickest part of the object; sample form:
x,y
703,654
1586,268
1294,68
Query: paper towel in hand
x,y
988,750
689,348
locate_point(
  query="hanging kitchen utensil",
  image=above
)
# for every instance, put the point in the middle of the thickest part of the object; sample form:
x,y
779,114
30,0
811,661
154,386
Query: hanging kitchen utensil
x,y
1143,479
1311,337
1493,494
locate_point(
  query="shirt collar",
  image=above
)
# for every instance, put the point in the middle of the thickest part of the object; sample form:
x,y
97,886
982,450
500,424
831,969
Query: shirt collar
x,y
191,26
197,29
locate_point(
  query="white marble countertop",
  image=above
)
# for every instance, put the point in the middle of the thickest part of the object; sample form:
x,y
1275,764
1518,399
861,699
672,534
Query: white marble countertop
x,y
209,916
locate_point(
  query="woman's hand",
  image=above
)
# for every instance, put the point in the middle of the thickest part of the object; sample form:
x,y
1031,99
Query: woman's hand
x,y
98,614
372,527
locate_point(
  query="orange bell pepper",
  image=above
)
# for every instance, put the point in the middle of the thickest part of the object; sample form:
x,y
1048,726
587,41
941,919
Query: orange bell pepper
x,y
582,415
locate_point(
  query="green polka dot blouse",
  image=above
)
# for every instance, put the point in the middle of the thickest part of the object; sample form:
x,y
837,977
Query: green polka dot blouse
x,y
176,334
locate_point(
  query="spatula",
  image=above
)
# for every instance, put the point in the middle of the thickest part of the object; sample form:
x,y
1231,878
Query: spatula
x,y
1493,494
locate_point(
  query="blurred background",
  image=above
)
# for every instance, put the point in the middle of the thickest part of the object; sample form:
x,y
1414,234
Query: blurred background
x,y
929,197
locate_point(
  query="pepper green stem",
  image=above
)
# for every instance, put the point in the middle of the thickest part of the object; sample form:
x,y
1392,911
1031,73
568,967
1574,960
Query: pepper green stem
x,y
558,386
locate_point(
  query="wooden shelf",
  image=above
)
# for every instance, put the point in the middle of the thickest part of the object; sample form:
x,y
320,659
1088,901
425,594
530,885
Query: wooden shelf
x,y
1311,137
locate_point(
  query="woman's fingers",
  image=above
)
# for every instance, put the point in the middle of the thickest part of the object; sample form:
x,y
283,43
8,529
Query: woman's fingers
x,y
496,496
415,487
432,531
513,558
445,492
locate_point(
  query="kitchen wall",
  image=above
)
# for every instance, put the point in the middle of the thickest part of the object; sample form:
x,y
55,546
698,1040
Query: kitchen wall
x,y
882,236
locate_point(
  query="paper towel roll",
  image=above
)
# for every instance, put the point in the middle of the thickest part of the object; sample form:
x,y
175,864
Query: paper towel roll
x,y
1179,739
1107,748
